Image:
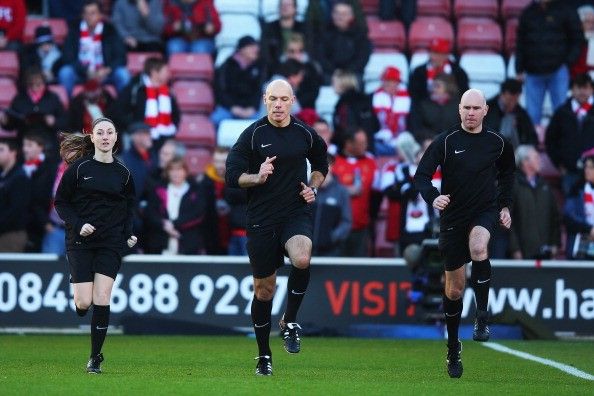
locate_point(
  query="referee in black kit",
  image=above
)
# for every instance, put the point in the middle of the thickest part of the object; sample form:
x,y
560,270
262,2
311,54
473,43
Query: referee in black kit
x,y
269,159
477,167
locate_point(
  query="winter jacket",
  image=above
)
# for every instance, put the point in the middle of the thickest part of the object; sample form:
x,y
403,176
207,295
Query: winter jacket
x,y
235,86
130,23
524,126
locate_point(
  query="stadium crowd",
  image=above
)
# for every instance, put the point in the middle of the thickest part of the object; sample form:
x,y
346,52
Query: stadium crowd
x,y
171,74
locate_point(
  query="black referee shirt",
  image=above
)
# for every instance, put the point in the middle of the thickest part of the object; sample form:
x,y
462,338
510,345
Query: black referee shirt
x,y
477,171
98,193
278,199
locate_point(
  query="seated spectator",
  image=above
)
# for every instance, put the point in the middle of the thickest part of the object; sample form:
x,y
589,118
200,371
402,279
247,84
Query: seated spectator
x,y
571,131
148,99
433,115
170,149
353,108
93,102
15,193
391,105
508,117
93,50
44,53
276,35
440,62
41,173
140,157
35,109
175,214
585,62
238,83
323,129
332,217
190,26
13,16
140,24
535,231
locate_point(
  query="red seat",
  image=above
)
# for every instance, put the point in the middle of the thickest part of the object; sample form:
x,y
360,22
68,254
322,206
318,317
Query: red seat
x,y
478,34
189,66
476,8
135,60
511,27
513,8
58,26
386,35
424,29
9,64
197,158
80,87
441,8
193,96
8,91
196,130
61,92
370,7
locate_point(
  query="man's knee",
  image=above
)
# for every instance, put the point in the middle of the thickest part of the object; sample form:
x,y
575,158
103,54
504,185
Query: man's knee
x,y
301,261
264,291
101,297
83,302
479,250
454,292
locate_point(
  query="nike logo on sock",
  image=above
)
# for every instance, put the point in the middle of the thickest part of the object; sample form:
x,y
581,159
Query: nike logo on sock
x,y
448,315
101,328
483,281
260,326
294,292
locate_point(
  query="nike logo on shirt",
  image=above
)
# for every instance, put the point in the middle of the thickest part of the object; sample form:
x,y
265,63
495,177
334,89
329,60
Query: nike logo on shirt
x,y
87,177
265,145
459,151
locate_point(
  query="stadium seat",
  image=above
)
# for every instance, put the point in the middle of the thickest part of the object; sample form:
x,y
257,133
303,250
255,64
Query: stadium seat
x,y
483,67
326,101
478,34
417,59
135,61
188,66
370,7
476,8
236,26
378,61
269,10
511,66
440,8
197,158
424,29
9,64
8,90
513,8
196,130
78,88
386,35
229,131
193,96
61,92
237,7
222,54
59,28
511,27
488,88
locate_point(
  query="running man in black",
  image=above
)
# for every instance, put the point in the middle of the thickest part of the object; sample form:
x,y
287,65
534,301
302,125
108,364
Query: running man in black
x,y
95,199
269,159
477,167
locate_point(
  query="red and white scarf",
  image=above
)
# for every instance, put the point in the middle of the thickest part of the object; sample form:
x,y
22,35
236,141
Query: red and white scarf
x,y
157,113
90,53
30,166
433,71
581,109
392,110
589,203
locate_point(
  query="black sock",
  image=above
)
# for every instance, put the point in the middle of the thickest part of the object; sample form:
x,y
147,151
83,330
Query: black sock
x,y
99,324
480,278
81,312
296,287
261,316
452,310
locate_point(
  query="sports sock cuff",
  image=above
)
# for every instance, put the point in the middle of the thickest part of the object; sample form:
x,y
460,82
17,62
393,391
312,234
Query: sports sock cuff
x,y
81,312
101,309
452,307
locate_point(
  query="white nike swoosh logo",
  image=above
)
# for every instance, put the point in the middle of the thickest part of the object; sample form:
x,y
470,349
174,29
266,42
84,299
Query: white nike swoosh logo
x,y
265,324
294,292
485,281
459,151
87,177
447,314
101,328
266,145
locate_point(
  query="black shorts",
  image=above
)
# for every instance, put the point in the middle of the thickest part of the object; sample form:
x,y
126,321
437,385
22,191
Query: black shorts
x,y
266,245
85,263
453,241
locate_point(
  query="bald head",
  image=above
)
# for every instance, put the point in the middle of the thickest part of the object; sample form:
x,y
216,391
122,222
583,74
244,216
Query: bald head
x,y
473,108
279,99
473,95
279,85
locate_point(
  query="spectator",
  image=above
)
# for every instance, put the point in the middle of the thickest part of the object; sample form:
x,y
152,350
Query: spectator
x,y
140,158
41,173
585,62
535,231
549,39
170,149
44,54
93,102
343,44
332,217
391,105
353,108
433,115
175,214
14,199
13,15
140,24
440,62
35,109
148,99
571,131
238,83
276,35
313,77
355,169
190,26
93,50
508,117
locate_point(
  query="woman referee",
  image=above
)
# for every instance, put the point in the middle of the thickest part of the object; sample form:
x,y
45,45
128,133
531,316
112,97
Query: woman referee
x,y
95,199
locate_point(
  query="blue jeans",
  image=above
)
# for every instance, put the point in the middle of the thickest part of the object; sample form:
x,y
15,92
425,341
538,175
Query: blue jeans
x,y
536,85
237,246
202,46
54,242
68,77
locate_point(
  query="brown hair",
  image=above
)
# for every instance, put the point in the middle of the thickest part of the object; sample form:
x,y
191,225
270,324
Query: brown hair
x,y
175,161
77,145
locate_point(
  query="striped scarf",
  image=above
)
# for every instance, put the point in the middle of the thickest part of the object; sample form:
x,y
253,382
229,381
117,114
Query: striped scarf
x,y
157,113
90,53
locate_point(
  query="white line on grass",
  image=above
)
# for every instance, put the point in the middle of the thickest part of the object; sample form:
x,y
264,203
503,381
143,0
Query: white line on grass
x,y
524,355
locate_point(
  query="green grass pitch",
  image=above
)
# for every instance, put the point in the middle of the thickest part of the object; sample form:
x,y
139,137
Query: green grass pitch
x,y
176,365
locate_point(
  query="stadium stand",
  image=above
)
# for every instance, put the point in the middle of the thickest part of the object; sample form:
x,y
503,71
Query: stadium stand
x,y
511,27
249,7
9,64
196,130
424,29
476,8
269,10
325,102
222,54
80,87
417,59
135,60
386,35
235,26
189,66
442,8
58,26
229,131
197,158
370,7
478,34
61,92
194,97
483,67
512,8
378,61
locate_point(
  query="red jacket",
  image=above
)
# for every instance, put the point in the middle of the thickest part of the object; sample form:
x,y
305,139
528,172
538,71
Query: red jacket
x,y
203,11
13,16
